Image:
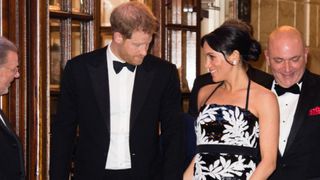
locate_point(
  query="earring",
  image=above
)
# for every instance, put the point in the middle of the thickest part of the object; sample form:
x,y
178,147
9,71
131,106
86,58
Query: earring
x,y
234,62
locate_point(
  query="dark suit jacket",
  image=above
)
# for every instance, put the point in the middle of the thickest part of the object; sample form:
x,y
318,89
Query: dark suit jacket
x,y
84,102
11,158
301,158
255,75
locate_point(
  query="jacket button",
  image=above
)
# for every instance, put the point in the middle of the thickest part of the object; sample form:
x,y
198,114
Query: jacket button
x,y
284,165
14,145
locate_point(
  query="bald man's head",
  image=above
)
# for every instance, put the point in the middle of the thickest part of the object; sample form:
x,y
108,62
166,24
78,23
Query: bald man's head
x,y
285,33
286,55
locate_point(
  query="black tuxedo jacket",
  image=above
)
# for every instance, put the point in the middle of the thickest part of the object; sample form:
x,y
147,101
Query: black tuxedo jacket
x,y
11,158
301,158
254,74
84,103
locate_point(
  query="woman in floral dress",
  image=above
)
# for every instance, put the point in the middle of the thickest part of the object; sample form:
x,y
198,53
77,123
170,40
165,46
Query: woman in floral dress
x,y
237,127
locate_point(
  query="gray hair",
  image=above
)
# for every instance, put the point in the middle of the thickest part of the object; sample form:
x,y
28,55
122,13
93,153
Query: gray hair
x,y
5,47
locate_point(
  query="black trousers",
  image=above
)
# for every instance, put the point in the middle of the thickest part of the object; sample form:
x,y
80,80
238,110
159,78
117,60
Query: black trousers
x,y
125,174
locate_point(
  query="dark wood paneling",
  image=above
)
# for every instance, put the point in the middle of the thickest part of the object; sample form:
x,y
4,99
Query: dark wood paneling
x,y
97,24
74,15
15,103
38,89
156,6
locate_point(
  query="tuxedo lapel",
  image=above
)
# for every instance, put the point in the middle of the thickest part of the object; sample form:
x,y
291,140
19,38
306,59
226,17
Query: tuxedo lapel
x,y
6,126
306,96
98,72
141,87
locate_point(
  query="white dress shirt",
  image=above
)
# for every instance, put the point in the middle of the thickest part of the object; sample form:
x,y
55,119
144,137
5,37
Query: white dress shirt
x,y
120,87
287,105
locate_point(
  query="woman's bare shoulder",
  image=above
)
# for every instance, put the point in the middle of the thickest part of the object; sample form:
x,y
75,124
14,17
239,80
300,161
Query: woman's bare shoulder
x,y
205,92
261,92
262,98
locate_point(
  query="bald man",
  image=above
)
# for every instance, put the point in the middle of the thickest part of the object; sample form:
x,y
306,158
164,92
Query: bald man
x,y
297,90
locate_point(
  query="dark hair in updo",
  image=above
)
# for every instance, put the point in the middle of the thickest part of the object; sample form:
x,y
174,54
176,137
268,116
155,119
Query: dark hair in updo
x,y
228,38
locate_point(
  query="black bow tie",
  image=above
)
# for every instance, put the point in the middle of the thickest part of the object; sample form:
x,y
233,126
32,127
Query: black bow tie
x,y
117,66
295,89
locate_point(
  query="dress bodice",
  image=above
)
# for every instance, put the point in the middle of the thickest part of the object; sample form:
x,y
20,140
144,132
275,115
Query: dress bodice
x,y
227,142
227,125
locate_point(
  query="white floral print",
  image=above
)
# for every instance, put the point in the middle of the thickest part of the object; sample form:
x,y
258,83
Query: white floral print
x,y
225,125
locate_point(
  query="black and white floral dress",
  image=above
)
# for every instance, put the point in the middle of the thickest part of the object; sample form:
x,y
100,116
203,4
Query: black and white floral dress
x,y
227,142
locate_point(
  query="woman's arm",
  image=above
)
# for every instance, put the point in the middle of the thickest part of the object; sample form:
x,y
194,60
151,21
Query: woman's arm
x,y
188,173
268,112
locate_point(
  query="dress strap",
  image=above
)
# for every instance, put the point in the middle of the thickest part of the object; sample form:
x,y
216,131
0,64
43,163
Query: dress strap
x,y
247,98
215,89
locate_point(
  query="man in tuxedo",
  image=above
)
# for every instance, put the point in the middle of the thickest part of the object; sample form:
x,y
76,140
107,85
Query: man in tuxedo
x,y
298,94
254,74
119,97
11,158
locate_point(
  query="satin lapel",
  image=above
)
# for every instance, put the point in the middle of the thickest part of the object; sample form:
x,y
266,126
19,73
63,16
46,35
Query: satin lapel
x,y
6,127
141,87
306,96
99,78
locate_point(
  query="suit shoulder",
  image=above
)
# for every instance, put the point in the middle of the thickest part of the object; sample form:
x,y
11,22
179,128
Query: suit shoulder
x,y
154,61
257,73
311,82
203,80
311,78
314,76
260,77
89,56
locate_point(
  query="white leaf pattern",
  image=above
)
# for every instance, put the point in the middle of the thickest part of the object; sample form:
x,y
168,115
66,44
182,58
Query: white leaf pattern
x,y
239,128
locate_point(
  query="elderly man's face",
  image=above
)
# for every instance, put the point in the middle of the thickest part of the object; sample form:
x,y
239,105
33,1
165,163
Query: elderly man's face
x,y
287,59
8,72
